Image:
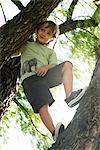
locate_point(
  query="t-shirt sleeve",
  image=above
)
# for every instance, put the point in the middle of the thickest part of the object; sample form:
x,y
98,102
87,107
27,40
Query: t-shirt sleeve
x,y
53,58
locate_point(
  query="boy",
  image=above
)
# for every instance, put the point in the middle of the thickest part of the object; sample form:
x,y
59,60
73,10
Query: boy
x,y
39,72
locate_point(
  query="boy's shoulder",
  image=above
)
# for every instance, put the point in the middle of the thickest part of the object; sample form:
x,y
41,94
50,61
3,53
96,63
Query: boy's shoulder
x,y
50,49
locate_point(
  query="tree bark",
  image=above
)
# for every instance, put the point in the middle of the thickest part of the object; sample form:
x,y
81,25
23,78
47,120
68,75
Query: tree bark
x,y
84,130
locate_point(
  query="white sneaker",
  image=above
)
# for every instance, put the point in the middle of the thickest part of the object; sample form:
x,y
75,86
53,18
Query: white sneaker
x,y
59,129
75,97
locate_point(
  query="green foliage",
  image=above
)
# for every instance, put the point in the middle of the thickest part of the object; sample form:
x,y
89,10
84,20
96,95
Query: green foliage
x,y
96,16
24,118
84,42
80,41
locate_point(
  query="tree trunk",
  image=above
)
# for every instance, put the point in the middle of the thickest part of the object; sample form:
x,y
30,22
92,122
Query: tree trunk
x,y
8,77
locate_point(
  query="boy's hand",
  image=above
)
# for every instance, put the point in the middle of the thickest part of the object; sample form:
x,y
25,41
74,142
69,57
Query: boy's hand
x,y
41,71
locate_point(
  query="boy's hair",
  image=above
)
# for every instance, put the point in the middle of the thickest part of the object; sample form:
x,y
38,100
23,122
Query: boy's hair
x,y
52,25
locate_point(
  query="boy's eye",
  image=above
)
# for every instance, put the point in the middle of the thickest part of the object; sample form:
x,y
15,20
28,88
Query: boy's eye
x,y
42,29
48,33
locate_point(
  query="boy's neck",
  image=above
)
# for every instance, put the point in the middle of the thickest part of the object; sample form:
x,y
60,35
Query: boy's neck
x,y
40,43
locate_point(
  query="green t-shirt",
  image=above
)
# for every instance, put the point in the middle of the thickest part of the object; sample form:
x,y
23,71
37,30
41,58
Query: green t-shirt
x,y
34,55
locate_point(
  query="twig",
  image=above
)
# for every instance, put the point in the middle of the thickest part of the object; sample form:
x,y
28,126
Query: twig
x,y
18,4
3,12
27,113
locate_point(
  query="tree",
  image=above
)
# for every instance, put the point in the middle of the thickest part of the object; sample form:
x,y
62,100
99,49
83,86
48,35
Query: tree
x,y
84,130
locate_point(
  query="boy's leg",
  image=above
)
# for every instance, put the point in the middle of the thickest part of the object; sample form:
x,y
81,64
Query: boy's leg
x,y
48,122
72,98
63,73
46,118
67,78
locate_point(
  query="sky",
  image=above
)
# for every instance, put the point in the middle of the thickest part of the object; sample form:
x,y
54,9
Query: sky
x,y
60,111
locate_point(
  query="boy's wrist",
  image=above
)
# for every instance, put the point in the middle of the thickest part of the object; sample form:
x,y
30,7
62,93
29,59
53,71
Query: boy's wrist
x,y
49,66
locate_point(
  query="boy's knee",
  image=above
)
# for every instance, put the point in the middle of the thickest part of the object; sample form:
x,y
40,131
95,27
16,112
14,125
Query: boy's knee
x,y
44,108
68,65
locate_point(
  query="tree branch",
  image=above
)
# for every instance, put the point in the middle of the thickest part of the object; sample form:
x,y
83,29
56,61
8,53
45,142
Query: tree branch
x,y
71,9
3,12
71,25
97,2
18,4
27,113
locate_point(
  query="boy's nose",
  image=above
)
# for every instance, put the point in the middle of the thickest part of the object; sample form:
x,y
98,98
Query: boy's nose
x,y
44,34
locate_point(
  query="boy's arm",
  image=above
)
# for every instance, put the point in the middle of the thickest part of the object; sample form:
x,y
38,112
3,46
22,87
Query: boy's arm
x,y
41,71
49,66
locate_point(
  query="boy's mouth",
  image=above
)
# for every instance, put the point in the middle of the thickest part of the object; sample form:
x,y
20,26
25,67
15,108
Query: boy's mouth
x,y
42,37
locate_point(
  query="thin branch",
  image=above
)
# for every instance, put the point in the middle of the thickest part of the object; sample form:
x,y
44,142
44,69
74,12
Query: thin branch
x,y
91,34
27,113
71,25
18,4
97,3
86,3
71,9
3,12
56,17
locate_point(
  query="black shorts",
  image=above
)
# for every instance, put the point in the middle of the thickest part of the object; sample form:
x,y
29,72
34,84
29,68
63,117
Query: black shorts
x,y
37,88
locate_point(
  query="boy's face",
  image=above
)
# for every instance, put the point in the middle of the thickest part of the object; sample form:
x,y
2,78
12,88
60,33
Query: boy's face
x,y
44,34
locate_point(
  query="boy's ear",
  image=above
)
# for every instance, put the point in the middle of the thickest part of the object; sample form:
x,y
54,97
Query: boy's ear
x,y
52,39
